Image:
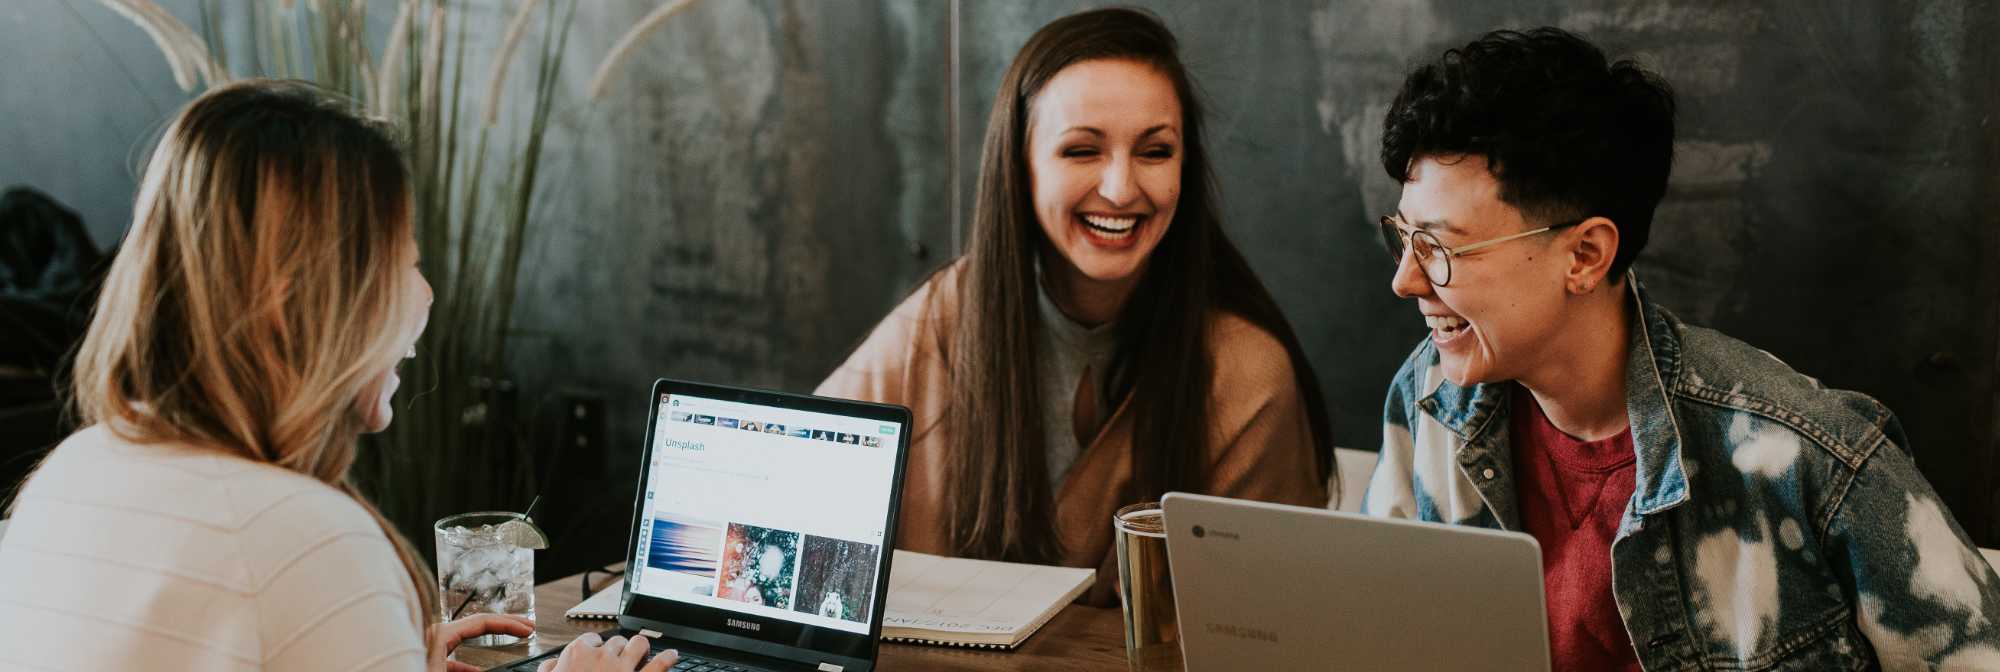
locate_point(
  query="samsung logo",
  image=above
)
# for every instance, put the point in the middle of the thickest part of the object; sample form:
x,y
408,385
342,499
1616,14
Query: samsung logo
x,y
751,625
1240,632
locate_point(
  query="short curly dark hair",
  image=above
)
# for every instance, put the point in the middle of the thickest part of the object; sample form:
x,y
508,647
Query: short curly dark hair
x,y
1567,134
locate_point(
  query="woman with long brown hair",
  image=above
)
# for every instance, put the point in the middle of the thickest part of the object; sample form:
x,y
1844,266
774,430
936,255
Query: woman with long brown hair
x,y
1101,342
248,332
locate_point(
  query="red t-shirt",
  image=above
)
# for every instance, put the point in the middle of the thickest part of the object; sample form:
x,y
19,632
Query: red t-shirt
x,y
1573,494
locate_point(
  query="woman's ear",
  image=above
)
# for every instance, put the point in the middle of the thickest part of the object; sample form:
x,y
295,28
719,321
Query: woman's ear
x,y
1595,246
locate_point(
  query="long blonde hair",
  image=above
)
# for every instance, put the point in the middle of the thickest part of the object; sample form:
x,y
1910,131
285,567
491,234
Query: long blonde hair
x,y
255,297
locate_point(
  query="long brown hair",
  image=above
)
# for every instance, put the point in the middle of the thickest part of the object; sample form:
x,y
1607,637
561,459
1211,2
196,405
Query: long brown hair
x,y
255,297
1001,497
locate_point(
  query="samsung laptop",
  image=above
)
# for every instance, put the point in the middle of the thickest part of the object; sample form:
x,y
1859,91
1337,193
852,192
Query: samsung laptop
x,y
1272,587
763,529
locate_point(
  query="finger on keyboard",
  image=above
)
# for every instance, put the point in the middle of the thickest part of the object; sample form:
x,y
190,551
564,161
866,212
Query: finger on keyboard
x,y
662,661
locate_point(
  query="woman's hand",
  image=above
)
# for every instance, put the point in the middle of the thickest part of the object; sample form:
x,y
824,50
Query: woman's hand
x,y
445,637
589,653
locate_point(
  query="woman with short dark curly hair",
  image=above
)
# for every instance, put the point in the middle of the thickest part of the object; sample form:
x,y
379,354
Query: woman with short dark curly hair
x,y
1698,503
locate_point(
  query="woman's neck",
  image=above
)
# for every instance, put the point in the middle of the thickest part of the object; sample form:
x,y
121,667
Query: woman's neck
x,y
1583,391
1085,300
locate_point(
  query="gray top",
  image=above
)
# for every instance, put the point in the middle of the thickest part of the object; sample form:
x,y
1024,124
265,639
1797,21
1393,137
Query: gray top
x,y
1066,350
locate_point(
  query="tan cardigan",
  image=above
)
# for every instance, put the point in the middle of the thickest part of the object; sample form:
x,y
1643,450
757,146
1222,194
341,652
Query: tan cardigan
x,y
1260,443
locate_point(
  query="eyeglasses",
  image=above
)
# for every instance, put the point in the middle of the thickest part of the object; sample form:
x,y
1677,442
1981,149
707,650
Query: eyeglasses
x,y
1433,256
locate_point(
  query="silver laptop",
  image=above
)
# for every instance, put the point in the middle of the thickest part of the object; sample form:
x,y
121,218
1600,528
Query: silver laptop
x,y
762,529
1272,587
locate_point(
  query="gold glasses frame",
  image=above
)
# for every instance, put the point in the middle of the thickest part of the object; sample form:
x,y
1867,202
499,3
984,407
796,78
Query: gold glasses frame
x,y
1433,256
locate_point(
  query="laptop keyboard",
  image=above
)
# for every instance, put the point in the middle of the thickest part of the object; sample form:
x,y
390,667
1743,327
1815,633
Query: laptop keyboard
x,y
696,664
688,663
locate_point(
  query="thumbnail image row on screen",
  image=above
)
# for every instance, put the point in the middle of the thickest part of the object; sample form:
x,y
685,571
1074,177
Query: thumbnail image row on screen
x,y
775,428
776,568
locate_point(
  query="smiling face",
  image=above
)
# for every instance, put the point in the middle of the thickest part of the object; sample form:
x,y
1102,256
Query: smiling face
x,y
1505,305
374,405
1104,156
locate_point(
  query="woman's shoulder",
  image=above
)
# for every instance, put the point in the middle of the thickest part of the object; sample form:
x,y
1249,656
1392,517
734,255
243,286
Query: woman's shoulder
x,y
932,305
1247,356
162,536
934,300
195,486
200,515
913,333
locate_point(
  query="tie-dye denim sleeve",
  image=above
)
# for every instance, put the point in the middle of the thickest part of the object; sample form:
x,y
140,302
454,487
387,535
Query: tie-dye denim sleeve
x,y
1923,596
1391,489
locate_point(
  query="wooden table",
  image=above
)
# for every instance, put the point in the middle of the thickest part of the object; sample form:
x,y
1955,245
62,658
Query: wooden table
x,y
1076,640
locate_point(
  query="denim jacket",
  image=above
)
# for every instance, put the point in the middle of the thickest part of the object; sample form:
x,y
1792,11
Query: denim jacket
x,y
1775,524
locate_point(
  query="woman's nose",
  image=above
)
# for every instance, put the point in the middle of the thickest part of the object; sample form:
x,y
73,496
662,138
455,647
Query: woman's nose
x,y
1409,281
1116,184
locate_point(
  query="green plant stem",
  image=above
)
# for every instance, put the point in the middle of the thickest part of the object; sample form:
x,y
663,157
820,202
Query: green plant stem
x,y
545,85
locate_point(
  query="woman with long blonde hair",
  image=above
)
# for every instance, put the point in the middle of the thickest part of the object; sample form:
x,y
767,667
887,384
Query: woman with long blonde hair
x,y
248,332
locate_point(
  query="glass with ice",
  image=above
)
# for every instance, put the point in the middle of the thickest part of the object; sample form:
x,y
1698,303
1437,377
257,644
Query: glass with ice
x,y
486,565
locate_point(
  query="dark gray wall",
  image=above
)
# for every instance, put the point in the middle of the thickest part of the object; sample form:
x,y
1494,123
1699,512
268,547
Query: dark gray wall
x,y
1833,198
82,93
767,178
762,183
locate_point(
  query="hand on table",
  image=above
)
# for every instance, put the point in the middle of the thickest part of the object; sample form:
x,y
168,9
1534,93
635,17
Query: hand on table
x,y
445,637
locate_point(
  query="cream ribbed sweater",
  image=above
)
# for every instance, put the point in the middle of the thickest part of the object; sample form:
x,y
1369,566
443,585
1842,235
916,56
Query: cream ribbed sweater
x,y
155,557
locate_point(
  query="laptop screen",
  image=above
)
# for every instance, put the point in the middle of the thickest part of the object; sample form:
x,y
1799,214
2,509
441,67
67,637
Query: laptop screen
x,y
774,513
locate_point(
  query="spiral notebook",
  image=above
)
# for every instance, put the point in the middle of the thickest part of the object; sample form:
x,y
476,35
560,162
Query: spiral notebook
x,y
975,603
602,606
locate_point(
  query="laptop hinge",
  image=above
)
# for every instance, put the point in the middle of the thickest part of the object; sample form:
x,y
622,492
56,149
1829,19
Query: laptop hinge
x,y
830,667
649,634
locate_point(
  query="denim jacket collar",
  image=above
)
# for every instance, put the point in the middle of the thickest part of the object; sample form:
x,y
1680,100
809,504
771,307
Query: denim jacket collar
x,y
1652,363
